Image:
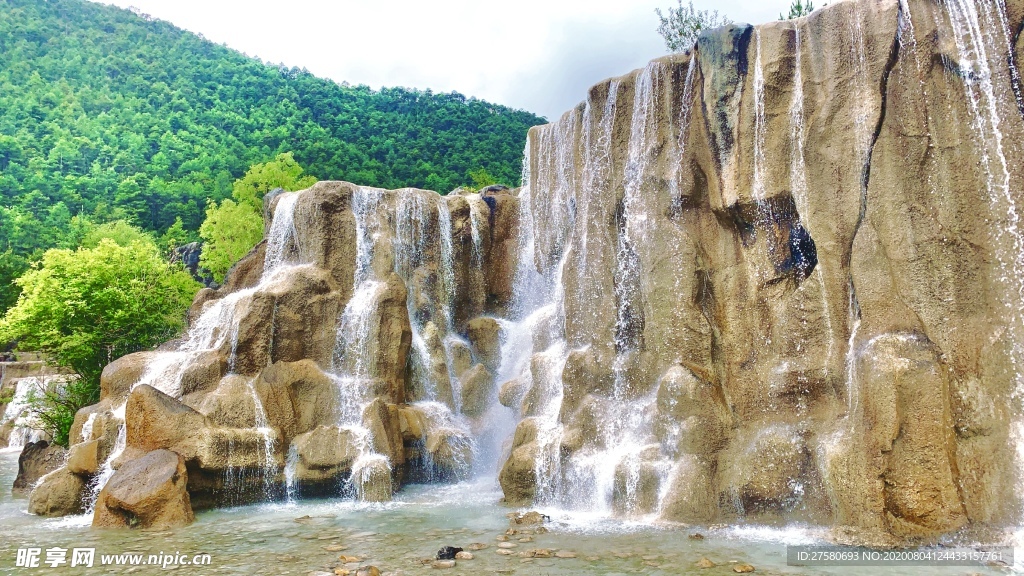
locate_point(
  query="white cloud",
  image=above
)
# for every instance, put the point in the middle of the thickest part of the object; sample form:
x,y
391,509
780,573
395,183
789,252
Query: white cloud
x,y
540,55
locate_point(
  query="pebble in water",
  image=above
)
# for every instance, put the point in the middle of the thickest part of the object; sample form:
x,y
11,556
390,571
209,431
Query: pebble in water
x,y
476,546
742,568
565,554
440,564
705,563
464,555
334,548
507,545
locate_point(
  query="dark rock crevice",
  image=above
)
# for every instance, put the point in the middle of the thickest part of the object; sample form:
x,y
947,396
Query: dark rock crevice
x,y
1014,63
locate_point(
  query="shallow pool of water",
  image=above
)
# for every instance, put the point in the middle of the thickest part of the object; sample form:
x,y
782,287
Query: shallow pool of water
x,y
300,538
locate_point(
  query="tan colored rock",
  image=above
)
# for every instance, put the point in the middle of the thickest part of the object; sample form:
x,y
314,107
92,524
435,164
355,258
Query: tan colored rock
x,y
59,493
382,420
327,452
120,375
518,477
149,492
477,390
451,453
461,357
373,480
485,336
297,396
85,458
154,420
512,392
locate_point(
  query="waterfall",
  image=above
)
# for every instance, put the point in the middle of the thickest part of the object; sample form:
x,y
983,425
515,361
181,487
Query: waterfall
x,y
975,48
216,326
354,356
16,413
758,189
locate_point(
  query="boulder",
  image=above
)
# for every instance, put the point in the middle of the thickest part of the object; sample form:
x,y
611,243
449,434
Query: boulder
x,y
373,481
59,493
512,392
485,336
325,453
382,420
86,458
36,460
477,390
119,376
149,492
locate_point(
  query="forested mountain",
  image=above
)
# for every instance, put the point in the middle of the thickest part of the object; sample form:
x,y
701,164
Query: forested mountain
x,y
110,114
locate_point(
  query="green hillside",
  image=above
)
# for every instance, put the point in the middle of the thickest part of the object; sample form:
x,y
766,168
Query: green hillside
x,y
111,114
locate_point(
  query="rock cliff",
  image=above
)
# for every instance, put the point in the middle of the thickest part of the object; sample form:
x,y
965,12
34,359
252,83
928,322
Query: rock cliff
x,y
776,279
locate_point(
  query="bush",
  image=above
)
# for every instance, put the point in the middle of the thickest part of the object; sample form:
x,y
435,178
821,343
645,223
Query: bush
x,y
684,24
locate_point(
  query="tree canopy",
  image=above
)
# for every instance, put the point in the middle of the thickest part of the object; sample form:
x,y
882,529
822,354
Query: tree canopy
x,y
109,114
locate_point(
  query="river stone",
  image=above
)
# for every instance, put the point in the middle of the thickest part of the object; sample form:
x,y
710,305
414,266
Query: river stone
x,y
149,492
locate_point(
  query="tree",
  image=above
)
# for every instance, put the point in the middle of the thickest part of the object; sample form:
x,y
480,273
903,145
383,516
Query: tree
x,y
684,24
229,232
798,9
281,172
119,231
90,306
232,228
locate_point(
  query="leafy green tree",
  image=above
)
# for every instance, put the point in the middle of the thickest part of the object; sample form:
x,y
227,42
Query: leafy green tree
x,y
281,172
230,230
482,178
683,24
119,231
233,227
176,236
89,306
798,9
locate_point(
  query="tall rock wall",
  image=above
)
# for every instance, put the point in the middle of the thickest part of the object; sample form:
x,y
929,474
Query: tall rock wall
x,y
786,276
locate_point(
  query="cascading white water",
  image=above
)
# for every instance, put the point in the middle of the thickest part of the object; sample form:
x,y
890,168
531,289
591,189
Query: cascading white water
x,y
354,358
215,327
760,128
25,426
281,236
969,20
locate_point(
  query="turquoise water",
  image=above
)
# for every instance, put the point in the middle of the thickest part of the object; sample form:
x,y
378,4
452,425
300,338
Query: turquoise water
x,y
300,538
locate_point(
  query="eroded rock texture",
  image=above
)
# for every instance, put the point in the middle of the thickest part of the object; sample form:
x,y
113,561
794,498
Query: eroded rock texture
x,y
346,352
785,277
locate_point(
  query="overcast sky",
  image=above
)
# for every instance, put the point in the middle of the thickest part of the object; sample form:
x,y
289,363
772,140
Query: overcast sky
x,y
539,55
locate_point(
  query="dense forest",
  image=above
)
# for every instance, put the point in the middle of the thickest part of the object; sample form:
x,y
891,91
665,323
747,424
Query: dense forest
x,y
106,114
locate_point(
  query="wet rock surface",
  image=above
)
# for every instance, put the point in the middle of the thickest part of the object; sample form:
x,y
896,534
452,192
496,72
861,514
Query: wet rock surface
x,y
776,279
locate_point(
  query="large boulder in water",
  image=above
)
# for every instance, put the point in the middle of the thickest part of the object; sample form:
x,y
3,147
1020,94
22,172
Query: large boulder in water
x,y
36,460
59,493
149,492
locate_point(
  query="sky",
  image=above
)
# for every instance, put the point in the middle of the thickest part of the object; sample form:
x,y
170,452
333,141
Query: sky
x,y
538,55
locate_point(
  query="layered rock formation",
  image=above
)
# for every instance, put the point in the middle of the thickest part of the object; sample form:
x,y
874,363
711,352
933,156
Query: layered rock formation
x,y
776,279
783,279
332,361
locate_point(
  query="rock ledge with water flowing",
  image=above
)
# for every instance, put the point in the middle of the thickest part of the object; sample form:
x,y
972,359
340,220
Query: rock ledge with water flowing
x,y
778,279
